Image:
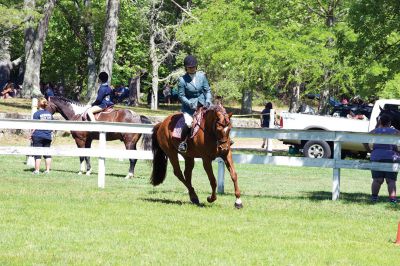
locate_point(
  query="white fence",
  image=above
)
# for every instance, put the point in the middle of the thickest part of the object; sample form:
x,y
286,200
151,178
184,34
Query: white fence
x,y
103,152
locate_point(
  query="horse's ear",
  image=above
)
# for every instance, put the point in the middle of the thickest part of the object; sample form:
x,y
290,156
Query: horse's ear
x,y
230,114
381,108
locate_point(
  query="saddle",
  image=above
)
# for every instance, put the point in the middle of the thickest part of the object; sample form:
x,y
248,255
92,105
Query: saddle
x,y
197,118
108,110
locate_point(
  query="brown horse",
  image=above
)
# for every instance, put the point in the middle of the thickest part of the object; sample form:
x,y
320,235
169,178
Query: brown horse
x,y
211,141
75,111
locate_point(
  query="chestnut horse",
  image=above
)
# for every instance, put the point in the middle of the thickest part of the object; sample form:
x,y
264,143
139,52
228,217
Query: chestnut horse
x,y
75,111
211,141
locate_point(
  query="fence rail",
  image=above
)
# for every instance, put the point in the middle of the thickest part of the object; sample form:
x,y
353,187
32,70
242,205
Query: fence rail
x,y
103,152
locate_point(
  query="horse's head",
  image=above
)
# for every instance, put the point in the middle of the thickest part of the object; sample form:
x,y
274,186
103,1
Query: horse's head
x,y
222,127
69,109
51,106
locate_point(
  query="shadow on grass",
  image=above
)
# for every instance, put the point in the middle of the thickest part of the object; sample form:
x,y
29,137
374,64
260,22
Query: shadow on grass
x,y
348,198
174,202
17,105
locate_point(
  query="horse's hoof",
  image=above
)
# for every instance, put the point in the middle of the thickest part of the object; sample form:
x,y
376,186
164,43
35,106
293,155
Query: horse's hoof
x,y
88,173
80,173
211,199
195,201
238,205
129,176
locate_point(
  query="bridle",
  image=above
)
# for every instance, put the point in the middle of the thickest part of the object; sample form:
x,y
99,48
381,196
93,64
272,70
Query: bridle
x,y
225,124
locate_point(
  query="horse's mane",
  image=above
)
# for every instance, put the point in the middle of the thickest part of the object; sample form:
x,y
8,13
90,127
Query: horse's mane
x,y
63,99
217,108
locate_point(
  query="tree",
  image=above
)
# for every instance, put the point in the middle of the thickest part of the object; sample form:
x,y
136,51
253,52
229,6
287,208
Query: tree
x,y
162,43
33,57
12,19
109,39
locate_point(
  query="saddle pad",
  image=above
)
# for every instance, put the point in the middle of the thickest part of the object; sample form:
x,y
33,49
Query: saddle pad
x,y
177,132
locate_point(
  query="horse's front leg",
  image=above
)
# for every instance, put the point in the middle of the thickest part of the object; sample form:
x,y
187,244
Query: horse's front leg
x,y
88,145
82,165
130,144
207,164
231,168
88,166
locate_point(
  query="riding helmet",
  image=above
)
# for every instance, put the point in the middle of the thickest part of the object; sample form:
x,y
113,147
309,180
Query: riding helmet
x,y
103,76
190,61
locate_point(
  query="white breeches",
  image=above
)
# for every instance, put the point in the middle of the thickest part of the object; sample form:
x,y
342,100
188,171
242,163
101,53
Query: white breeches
x,y
188,119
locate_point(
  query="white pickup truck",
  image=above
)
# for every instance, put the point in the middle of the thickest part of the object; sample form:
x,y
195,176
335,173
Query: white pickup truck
x,y
323,149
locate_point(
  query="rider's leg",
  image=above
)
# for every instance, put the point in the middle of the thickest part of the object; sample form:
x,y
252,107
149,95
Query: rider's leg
x,y
185,132
92,110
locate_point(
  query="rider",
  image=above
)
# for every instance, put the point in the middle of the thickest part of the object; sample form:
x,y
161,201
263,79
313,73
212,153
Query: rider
x,y
193,92
103,99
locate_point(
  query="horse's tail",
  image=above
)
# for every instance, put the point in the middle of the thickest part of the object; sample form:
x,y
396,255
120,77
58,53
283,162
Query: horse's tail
x,y
160,160
146,138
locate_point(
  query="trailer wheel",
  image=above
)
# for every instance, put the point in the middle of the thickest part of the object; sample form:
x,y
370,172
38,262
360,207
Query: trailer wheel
x,y
317,149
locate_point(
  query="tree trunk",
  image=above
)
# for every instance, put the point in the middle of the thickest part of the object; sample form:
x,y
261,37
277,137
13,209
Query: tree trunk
x,y
110,38
91,55
133,91
247,101
5,60
33,56
154,87
155,67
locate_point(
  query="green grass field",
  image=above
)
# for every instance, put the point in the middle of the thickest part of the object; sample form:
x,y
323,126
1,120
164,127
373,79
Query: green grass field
x,y
287,219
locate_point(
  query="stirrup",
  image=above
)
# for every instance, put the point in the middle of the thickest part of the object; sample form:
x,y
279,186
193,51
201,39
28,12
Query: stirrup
x,y
182,146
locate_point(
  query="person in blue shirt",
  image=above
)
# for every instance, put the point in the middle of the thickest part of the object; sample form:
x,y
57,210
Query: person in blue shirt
x,y
384,153
193,92
42,138
103,99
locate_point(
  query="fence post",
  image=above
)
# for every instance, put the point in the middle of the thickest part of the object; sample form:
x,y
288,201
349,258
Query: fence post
x,y
337,155
102,161
271,125
221,173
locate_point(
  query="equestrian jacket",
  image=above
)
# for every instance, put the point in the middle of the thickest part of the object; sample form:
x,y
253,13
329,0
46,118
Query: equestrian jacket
x,y
103,99
194,90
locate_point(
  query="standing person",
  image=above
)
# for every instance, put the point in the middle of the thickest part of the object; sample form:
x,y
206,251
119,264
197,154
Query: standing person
x,y
193,92
264,119
42,138
48,90
384,153
103,99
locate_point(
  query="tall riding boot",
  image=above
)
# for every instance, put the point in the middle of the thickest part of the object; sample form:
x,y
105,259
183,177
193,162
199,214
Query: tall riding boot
x,y
185,134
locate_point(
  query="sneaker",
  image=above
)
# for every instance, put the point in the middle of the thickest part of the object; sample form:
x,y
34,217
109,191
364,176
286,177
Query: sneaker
x,y
46,172
36,172
182,147
393,200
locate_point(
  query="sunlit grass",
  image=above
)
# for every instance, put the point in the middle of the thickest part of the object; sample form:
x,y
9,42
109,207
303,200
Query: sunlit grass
x,y
287,219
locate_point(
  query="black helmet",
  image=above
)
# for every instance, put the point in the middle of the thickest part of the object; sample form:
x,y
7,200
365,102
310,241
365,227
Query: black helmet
x,y
190,61
103,76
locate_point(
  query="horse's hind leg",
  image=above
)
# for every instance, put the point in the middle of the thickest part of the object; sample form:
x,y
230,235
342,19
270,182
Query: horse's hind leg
x,y
211,177
189,164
